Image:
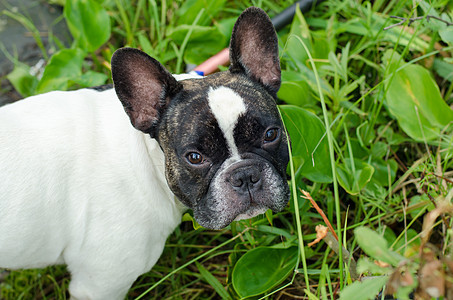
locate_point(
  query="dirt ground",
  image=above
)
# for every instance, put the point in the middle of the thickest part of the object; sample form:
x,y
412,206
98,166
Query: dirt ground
x,y
17,41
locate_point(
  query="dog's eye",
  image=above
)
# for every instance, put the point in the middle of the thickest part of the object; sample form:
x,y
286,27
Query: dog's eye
x,y
194,158
271,135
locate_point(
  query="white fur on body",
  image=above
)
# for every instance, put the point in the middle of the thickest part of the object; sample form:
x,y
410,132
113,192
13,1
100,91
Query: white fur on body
x,y
80,186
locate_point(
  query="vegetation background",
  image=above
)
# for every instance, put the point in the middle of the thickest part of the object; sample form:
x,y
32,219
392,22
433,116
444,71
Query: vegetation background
x,y
367,100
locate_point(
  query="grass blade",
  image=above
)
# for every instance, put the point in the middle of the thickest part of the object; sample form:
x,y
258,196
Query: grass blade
x,y
212,281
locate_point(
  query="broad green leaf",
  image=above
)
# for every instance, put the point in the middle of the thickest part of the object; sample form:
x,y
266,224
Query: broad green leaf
x,y
384,170
295,92
394,35
443,68
299,33
365,264
145,44
198,52
322,45
57,2
275,231
393,138
225,26
365,135
309,143
413,97
446,35
188,217
429,9
190,9
22,80
379,149
446,32
88,22
371,28
305,74
204,41
64,66
90,79
354,175
294,89
213,282
413,246
261,269
376,246
199,33
423,204
358,151
364,290
389,235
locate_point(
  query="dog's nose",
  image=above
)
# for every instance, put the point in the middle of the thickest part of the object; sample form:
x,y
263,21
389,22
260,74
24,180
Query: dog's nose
x,y
246,179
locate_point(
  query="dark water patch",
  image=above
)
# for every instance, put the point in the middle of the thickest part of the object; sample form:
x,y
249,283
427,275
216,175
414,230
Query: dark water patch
x,y
18,41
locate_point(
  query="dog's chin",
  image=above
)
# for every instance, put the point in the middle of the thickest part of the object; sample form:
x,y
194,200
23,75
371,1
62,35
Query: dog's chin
x,y
218,223
253,211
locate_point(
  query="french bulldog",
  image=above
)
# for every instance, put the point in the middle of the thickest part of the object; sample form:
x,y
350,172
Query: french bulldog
x,y
98,180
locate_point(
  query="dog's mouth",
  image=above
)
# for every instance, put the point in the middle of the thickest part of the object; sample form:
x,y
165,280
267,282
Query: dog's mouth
x,y
241,190
252,211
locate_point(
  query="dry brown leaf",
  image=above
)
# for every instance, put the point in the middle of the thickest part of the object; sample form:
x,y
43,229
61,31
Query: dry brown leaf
x,y
321,232
431,276
399,278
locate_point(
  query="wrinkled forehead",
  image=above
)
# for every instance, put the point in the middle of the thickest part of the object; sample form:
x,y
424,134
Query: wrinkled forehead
x,y
227,106
211,108
227,93
253,94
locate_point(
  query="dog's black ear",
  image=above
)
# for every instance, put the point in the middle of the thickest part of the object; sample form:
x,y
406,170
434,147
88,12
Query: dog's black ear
x,y
254,49
143,86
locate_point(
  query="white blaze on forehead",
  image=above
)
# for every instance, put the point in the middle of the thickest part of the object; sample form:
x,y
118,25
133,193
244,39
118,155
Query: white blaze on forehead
x,y
227,106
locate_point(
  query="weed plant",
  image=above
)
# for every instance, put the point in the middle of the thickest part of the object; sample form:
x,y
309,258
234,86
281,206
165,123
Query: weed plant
x,y
367,101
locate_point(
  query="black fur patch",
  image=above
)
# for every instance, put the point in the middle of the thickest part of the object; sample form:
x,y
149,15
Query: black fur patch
x,y
101,88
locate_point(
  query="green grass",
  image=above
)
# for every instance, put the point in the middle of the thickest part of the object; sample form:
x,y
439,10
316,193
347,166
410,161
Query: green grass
x,y
371,125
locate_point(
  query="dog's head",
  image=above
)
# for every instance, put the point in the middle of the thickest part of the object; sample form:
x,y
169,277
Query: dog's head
x,y
224,143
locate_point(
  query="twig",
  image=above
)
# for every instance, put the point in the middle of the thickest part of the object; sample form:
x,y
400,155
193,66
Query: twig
x,y
323,233
323,215
412,20
428,222
330,238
